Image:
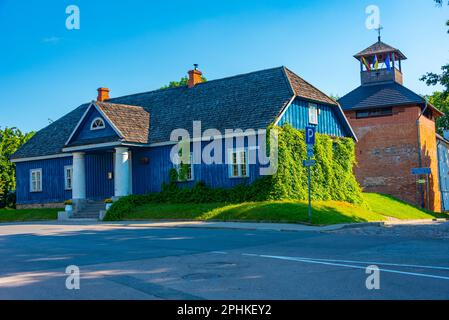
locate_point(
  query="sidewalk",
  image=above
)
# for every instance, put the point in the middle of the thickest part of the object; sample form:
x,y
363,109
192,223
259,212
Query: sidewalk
x,y
228,225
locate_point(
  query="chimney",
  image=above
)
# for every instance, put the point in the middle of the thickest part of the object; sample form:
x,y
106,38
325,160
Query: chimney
x,y
103,94
195,76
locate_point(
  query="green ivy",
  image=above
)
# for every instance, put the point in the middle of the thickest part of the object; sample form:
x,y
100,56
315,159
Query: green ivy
x,y
332,178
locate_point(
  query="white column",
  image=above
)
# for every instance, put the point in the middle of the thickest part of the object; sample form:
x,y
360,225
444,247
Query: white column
x,y
79,177
121,172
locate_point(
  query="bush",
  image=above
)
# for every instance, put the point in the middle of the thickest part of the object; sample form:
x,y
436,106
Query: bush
x,y
332,178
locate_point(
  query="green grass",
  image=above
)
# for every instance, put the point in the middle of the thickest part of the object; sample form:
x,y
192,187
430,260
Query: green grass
x,y
11,215
392,207
377,208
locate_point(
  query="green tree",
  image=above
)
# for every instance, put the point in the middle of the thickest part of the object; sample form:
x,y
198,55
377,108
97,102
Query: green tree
x,y
441,101
440,3
181,83
10,140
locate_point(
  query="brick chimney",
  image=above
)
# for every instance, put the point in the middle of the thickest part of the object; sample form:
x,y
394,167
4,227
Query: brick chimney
x,y
195,76
103,94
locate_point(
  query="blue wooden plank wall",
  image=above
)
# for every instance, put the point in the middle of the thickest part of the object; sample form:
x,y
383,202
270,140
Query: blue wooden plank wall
x,y
329,120
149,177
53,185
443,164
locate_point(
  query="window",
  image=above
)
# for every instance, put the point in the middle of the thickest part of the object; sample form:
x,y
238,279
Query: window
x,y
36,180
97,124
238,164
185,170
372,113
68,177
313,114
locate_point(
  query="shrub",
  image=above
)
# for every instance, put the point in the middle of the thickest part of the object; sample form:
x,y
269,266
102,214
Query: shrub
x,y
332,178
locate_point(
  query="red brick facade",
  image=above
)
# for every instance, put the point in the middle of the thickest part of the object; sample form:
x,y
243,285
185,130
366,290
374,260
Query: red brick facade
x,y
387,152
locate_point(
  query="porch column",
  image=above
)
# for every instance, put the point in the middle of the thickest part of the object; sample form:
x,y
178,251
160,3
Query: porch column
x,y
121,172
79,177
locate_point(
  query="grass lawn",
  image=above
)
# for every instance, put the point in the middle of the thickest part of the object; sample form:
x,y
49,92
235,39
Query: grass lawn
x,y
377,208
11,215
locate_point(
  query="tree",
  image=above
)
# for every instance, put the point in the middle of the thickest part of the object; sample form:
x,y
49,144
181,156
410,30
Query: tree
x,y
181,83
11,139
440,3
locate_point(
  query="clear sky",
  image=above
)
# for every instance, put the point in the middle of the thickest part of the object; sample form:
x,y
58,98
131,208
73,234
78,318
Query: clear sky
x,y
136,46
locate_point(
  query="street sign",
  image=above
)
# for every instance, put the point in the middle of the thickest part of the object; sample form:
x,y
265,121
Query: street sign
x,y
421,171
309,163
310,135
310,152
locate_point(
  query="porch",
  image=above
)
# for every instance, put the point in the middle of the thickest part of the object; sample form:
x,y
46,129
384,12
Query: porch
x,y
100,174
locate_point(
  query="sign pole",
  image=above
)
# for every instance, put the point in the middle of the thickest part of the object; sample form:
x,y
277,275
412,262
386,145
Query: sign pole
x,y
310,200
309,163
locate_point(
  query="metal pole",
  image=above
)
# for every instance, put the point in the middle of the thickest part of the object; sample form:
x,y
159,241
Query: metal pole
x,y
310,202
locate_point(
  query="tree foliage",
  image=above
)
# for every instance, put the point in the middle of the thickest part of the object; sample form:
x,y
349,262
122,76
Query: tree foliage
x,y
440,3
10,140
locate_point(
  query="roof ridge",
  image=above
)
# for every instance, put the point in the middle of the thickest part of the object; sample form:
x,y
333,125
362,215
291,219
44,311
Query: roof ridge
x,y
119,104
308,83
199,84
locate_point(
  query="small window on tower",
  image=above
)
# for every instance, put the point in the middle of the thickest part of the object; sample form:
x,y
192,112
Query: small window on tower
x,y
97,124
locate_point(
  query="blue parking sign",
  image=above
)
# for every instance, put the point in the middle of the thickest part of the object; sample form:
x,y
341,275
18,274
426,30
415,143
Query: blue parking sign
x,y
310,135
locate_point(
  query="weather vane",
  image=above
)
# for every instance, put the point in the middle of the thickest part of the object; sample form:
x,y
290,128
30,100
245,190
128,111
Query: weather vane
x,y
379,31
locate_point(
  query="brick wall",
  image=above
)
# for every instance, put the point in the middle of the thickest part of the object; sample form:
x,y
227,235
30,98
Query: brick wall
x,y
388,150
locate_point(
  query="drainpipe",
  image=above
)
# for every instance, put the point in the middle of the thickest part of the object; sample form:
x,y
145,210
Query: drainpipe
x,y
419,153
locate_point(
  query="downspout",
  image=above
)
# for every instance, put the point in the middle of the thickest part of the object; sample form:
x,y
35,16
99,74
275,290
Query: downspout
x,y
419,153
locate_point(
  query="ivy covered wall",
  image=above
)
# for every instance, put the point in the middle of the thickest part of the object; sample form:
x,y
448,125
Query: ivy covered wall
x,y
332,178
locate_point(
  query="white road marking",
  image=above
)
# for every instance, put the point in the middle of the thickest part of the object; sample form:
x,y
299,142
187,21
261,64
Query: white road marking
x,y
379,263
218,252
307,260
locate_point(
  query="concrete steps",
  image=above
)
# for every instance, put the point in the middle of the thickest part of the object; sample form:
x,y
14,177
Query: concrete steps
x,y
91,210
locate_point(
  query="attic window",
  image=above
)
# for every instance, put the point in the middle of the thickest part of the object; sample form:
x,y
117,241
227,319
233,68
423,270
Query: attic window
x,y
97,124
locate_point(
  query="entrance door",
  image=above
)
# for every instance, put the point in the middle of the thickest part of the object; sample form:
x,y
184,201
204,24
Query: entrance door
x,y
99,176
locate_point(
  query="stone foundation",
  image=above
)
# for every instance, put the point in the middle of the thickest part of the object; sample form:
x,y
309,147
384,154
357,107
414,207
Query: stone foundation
x,y
56,205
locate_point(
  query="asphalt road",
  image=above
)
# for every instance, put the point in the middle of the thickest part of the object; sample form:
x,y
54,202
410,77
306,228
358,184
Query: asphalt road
x,y
124,262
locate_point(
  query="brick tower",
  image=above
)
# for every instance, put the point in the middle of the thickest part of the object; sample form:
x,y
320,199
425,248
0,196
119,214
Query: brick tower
x,y
395,128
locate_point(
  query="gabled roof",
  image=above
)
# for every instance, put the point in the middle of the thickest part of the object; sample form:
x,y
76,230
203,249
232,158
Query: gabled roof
x,y
379,48
305,90
381,96
248,101
131,123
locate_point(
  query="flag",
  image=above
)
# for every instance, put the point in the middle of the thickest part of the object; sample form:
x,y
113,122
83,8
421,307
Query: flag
x,y
375,63
366,64
388,63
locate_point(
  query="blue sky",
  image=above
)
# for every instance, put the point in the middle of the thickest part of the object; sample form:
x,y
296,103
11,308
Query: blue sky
x,y
47,70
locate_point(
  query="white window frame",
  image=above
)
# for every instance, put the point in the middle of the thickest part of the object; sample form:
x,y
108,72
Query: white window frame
x,y
34,172
313,114
232,165
178,168
100,127
66,178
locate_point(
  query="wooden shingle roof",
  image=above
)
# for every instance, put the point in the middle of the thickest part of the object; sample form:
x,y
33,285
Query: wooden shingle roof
x,y
380,48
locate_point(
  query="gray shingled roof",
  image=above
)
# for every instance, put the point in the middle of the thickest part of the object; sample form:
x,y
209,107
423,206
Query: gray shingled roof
x,y
380,96
246,101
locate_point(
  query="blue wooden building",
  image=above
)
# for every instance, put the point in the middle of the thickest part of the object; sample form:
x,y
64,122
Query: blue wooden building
x,y
116,147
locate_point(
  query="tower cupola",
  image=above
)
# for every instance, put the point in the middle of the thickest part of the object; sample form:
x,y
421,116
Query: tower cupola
x,y
380,63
